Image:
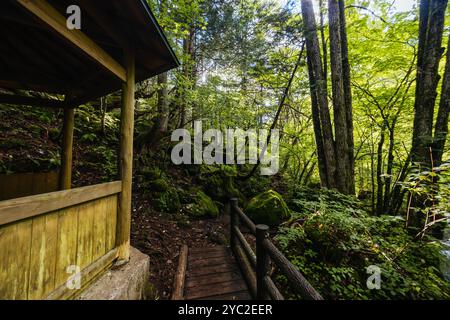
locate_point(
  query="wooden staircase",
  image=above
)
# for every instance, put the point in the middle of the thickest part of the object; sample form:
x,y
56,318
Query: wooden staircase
x,y
209,274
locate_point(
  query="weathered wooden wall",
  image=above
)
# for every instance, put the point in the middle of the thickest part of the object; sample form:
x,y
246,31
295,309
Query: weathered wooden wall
x,y
35,253
27,184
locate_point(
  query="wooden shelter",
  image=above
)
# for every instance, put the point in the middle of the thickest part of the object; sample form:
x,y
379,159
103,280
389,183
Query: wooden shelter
x,y
46,239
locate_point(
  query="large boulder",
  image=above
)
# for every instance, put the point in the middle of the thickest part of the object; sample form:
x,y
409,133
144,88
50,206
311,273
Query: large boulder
x,y
203,206
268,208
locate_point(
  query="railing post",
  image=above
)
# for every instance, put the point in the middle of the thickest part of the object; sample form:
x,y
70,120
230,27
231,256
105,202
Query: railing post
x,y
234,221
262,261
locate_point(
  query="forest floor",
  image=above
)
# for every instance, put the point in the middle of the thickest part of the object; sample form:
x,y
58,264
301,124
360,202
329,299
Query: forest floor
x,y
161,236
29,143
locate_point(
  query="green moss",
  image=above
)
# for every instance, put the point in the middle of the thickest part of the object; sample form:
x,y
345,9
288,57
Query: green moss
x,y
268,208
218,182
152,173
159,185
168,202
203,206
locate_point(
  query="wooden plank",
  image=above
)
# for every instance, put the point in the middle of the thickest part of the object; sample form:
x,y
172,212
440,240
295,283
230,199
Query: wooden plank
x,y
206,255
210,262
226,267
6,256
126,157
88,275
43,256
243,295
85,241
99,232
206,249
15,244
26,184
111,221
180,276
213,279
67,244
32,101
22,208
44,11
208,290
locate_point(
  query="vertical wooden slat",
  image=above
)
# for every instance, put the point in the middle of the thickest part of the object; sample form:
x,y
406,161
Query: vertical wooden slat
x,y
67,244
99,232
85,234
6,256
43,256
111,222
20,262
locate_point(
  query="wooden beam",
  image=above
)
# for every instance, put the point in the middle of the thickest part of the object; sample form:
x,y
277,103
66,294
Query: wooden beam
x,y
180,276
65,178
126,158
91,273
32,101
44,11
27,207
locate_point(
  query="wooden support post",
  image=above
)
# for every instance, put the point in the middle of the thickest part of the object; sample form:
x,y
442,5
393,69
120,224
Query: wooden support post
x,y
126,158
262,262
65,175
234,221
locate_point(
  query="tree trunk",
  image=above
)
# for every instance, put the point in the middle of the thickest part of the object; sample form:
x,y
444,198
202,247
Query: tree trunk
x,y
390,165
441,129
348,97
339,105
319,84
380,171
318,131
324,43
432,16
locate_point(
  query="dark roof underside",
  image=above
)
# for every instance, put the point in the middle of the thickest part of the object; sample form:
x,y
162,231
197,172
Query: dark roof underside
x,y
35,57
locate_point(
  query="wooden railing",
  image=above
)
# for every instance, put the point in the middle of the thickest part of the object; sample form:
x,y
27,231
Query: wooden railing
x,y
18,185
46,239
256,267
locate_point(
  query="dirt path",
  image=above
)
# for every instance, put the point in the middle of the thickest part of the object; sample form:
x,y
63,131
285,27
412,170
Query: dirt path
x,y
161,236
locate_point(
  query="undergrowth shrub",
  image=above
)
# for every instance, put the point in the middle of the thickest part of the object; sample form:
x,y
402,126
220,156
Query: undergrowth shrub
x,y
332,241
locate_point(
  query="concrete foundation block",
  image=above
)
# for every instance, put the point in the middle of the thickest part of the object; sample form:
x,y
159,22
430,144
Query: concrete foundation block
x,y
127,282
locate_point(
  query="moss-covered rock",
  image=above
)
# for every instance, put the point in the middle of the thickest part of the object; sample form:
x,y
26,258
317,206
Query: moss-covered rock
x,y
159,185
268,208
203,206
218,182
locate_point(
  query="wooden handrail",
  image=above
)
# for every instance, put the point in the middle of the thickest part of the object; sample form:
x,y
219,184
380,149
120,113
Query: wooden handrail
x,y
245,246
266,251
248,223
27,207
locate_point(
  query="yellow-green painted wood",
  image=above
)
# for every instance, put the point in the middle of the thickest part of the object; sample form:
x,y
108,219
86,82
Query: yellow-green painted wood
x,y
35,253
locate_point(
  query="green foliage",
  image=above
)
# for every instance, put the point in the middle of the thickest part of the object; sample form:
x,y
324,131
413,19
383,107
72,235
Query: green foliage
x,y
168,201
218,181
159,185
268,208
331,238
203,205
